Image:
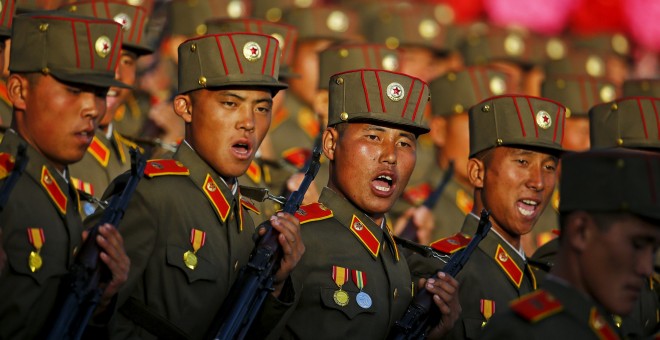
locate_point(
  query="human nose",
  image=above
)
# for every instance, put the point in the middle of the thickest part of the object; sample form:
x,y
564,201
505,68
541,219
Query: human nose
x,y
246,119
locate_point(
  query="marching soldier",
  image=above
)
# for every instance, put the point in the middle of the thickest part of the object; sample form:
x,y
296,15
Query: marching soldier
x,y
58,99
610,230
108,155
357,283
187,229
515,142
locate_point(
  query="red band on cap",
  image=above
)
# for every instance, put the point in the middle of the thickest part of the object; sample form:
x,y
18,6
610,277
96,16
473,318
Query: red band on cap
x,y
380,92
366,93
263,67
136,17
139,38
522,126
233,45
531,111
272,66
114,44
89,41
641,113
222,56
563,123
107,9
657,118
554,135
419,100
75,43
405,106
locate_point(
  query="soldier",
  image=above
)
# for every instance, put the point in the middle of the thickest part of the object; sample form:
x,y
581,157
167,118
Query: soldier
x,y
453,94
515,142
58,99
6,17
108,155
187,230
610,230
357,284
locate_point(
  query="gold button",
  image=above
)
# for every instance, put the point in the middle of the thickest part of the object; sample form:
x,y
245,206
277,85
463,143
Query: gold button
x,y
343,116
45,71
73,8
499,141
339,81
43,27
396,293
615,107
202,81
193,47
619,141
486,108
236,266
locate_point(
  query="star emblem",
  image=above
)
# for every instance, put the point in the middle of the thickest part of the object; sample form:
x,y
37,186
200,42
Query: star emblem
x,y
252,51
103,46
395,92
543,119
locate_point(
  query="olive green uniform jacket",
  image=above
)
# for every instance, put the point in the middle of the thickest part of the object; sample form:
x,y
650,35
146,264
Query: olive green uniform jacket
x,y
336,233
267,175
176,197
557,311
42,199
293,131
104,160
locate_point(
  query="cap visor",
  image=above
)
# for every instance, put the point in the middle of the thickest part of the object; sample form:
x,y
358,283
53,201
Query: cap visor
x,y
88,79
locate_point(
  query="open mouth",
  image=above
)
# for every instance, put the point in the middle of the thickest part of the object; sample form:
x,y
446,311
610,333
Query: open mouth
x,y
383,183
242,149
527,207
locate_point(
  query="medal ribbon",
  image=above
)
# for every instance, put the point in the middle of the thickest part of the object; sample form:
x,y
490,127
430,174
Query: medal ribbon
x,y
197,239
359,278
36,236
339,275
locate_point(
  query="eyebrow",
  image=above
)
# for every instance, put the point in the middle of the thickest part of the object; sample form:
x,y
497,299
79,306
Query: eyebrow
x,y
256,101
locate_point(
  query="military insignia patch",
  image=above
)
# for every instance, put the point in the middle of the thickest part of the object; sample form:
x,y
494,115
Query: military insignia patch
x,y
395,92
536,306
543,119
337,21
252,51
103,46
123,20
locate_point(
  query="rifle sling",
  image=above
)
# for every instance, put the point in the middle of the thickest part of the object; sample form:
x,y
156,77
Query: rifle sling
x,y
155,324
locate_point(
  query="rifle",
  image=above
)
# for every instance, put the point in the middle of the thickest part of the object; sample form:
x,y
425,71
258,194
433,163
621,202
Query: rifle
x,y
255,280
17,171
82,284
409,231
419,315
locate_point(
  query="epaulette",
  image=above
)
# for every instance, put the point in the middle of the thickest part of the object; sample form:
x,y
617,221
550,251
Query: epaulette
x,y
162,167
417,194
313,212
536,306
297,156
6,164
248,205
308,122
254,172
451,244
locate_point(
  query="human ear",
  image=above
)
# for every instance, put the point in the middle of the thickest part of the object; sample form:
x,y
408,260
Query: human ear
x,y
476,172
330,138
183,107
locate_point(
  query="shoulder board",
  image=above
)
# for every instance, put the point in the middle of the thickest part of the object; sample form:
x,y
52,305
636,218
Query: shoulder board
x,y
248,205
127,142
451,244
536,306
308,121
6,164
313,212
417,194
297,156
162,167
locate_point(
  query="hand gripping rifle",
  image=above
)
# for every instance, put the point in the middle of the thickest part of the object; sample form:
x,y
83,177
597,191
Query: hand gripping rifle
x,y
255,280
420,314
410,231
83,293
17,171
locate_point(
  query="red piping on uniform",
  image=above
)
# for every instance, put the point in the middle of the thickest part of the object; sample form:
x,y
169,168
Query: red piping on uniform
x,y
263,67
475,86
272,66
419,99
89,41
107,9
641,113
405,106
75,43
531,110
554,135
114,43
657,118
259,28
563,125
222,56
366,93
233,45
136,17
96,15
139,38
522,127
380,92
4,14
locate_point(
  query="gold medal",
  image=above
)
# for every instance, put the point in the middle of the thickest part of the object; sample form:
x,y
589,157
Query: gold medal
x,y
340,297
34,261
190,259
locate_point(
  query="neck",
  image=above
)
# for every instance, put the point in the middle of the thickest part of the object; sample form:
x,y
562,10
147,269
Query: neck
x,y
513,239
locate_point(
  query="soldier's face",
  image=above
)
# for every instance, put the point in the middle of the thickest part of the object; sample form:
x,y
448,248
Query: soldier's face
x,y
306,64
618,261
126,71
371,164
58,119
226,126
517,186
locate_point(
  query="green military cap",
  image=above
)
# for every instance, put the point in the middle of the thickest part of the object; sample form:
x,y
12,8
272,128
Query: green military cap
x,y
346,57
380,96
578,93
286,35
630,122
641,87
133,20
456,92
273,10
578,62
71,48
324,22
622,180
519,121
485,43
187,17
243,59
401,25
7,10
616,43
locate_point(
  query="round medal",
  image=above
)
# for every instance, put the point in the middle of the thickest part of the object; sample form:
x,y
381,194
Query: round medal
x,y
190,259
363,300
34,261
340,297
